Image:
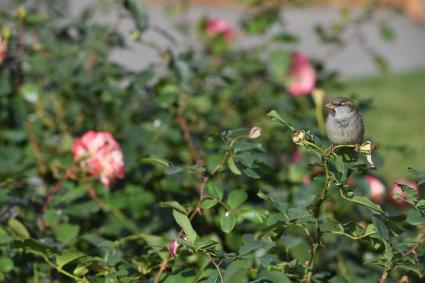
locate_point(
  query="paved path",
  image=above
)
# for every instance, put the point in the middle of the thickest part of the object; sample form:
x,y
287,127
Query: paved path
x,y
405,53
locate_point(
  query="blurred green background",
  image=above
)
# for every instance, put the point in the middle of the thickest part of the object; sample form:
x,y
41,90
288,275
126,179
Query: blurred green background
x,y
395,119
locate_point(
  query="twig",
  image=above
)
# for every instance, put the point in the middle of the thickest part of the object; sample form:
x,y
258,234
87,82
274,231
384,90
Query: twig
x,y
419,242
41,166
217,266
164,33
58,185
316,211
187,136
93,195
195,211
384,275
64,272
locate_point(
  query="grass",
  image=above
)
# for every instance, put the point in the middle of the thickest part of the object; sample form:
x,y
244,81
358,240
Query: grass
x,y
396,119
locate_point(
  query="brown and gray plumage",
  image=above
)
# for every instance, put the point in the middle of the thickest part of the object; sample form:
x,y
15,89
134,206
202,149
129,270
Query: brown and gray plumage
x,y
344,124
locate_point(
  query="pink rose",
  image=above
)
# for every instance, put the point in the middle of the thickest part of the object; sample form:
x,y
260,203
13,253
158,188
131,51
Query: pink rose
x,y
172,247
100,156
376,189
216,27
396,189
301,75
3,49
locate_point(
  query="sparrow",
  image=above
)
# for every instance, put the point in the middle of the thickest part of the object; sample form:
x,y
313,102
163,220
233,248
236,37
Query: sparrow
x,y
344,124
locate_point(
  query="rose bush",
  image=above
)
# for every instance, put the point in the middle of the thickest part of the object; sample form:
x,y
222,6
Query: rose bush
x,y
176,173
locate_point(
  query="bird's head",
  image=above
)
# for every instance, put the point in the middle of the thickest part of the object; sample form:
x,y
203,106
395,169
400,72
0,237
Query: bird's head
x,y
341,106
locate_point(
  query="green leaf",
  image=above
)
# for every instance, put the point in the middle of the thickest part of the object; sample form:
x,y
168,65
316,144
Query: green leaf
x,y
208,203
18,228
185,224
414,217
410,194
67,256
250,244
421,204
274,276
155,160
290,242
279,64
138,13
363,201
30,93
227,222
386,31
80,270
183,70
381,63
214,190
232,166
174,205
260,20
6,264
236,198
287,38
247,159
233,271
381,226
418,174
247,146
42,248
205,244
297,213
251,173
66,233
409,266
276,117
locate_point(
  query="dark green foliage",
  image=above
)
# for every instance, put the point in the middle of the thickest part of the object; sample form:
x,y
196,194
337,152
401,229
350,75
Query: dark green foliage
x,y
240,208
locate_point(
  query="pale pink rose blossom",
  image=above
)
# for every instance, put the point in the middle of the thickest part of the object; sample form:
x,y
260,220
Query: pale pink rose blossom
x,y
3,49
172,247
100,156
302,76
376,189
396,189
216,27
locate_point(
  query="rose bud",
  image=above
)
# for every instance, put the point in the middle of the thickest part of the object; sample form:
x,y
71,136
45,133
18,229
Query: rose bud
x,y
302,76
396,189
172,247
367,149
376,189
254,133
100,156
298,136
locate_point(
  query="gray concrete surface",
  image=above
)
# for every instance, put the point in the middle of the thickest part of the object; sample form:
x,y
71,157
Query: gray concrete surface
x,y
405,53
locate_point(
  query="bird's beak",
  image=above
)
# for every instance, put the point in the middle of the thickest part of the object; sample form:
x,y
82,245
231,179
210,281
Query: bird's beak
x,y
330,106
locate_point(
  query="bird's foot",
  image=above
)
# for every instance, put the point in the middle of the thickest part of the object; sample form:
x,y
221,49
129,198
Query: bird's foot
x,y
357,147
330,151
